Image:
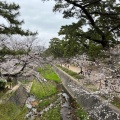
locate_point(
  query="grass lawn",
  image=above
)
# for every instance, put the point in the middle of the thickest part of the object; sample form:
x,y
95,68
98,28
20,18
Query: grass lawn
x,y
42,90
52,114
48,73
46,102
10,111
1,94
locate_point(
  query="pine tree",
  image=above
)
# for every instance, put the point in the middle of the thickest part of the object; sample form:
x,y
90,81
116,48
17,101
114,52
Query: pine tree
x,y
100,17
10,12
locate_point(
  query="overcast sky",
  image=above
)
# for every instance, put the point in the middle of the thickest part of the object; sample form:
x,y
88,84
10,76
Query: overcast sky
x,y
38,16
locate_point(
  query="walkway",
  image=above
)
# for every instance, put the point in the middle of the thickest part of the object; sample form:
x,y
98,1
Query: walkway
x,y
93,77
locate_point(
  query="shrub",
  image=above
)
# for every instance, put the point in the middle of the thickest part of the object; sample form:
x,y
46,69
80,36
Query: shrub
x,y
2,83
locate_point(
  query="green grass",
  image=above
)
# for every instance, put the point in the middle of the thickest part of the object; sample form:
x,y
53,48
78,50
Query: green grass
x,y
80,113
71,73
48,73
1,94
47,102
5,96
52,114
10,111
42,90
21,115
116,102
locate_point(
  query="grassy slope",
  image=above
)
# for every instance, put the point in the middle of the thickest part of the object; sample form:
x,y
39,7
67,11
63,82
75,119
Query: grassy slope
x,y
10,111
42,90
52,114
48,73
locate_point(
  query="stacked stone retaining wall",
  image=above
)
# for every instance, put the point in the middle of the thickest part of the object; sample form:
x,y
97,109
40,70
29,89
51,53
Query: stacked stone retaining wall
x,y
19,96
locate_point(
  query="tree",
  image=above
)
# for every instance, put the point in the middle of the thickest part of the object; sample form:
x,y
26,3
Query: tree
x,y
101,17
55,47
75,44
9,12
63,48
5,47
23,63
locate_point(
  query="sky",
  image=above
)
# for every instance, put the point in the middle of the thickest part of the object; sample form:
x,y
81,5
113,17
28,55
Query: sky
x,y
38,16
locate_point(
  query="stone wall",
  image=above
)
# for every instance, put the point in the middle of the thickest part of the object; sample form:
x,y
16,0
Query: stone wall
x,y
96,107
19,97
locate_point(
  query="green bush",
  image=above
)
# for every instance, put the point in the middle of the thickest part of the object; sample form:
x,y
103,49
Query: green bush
x,y
2,83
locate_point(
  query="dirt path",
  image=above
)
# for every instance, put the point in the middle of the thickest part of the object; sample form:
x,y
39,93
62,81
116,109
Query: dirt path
x,y
95,77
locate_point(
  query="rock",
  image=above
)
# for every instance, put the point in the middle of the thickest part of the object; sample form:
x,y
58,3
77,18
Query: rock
x,y
69,113
34,103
